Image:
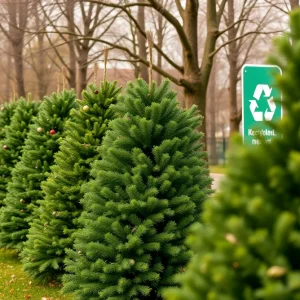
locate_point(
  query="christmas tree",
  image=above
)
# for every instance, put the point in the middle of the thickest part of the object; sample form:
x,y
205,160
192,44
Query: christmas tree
x,y
248,247
50,233
25,187
148,189
6,112
15,135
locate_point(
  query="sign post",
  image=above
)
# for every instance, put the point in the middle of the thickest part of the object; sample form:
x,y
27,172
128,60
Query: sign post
x,y
258,105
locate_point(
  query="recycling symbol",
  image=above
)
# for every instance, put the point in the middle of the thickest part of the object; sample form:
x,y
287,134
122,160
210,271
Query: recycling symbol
x,y
265,90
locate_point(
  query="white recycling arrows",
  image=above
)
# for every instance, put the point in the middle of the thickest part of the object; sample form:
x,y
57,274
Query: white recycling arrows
x,y
262,88
258,115
269,114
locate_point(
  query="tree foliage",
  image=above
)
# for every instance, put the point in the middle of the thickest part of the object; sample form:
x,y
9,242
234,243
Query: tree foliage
x,y
15,135
148,189
6,112
24,189
248,247
57,216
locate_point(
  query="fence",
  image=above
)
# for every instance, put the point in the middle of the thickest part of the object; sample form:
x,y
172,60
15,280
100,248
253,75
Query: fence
x,y
216,148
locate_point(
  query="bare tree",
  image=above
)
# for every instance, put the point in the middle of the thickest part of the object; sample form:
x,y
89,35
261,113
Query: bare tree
x,y
284,6
56,14
160,37
87,25
37,56
160,25
81,33
235,116
6,69
132,39
211,95
72,55
14,15
193,74
142,40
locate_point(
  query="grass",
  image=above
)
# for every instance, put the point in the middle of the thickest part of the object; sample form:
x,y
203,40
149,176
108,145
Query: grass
x,y
14,284
219,169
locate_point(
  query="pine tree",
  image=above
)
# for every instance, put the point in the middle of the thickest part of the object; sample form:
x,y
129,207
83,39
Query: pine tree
x,y
248,247
15,135
148,189
25,187
50,233
6,112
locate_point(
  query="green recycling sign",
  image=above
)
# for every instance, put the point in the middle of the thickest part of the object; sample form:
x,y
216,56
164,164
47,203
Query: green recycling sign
x,y
258,105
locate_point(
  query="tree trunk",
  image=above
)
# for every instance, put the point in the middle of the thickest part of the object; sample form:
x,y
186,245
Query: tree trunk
x,y
135,51
19,71
17,18
8,78
159,44
41,68
71,45
83,67
233,73
212,145
294,4
197,79
197,96
42,82
142,42
190,59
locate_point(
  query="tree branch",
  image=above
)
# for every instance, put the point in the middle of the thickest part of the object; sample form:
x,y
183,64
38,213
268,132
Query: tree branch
x,y
230,26
278,7
220,12
128,5
128,13
179,7
240,37
179,29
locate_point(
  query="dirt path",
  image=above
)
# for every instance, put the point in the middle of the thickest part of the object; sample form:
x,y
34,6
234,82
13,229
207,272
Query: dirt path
x,y
217,179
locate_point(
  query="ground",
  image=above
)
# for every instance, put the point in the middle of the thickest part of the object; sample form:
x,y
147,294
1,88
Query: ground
x,y
14,284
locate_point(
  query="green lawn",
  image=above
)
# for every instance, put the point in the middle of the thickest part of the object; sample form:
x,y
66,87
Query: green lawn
x,y
219,169
14,284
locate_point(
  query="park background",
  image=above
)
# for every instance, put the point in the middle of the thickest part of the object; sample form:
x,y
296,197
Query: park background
x,y
200,45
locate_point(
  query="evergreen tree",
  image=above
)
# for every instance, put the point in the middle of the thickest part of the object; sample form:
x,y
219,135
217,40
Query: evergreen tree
x,y
6,112
25,187
50,233
148,189
249,245
15,135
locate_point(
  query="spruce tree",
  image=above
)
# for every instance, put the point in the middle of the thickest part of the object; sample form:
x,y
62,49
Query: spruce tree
x,y
51,232
15,135
6,112
248,247
148,189
25,187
